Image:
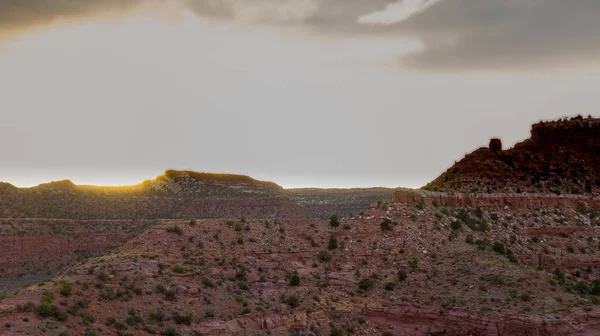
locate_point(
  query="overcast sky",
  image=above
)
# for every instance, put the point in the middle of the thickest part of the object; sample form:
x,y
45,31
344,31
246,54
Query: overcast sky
x,y
327,93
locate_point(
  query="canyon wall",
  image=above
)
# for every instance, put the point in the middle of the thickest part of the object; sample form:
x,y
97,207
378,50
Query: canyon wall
x,y
495,201
36,249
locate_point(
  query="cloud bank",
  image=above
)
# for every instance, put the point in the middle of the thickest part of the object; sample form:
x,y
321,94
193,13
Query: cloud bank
x,y
455,34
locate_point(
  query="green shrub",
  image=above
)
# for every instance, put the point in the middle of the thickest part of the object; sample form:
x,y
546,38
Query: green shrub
x,y
390,286
365,283
160,288
182,319
47,297
414,264
386,224
401,275
335,331
45,310
292,301
66,289
334,221
157,315
169,331
455,225
179,269
295,280
324,256
174,229
499,248
333,243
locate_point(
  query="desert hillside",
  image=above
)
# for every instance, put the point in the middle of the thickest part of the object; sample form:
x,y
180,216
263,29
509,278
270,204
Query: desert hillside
x,y
404,269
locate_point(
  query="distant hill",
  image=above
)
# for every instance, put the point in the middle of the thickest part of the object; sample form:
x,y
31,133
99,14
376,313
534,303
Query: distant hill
x,y
560,157
183,194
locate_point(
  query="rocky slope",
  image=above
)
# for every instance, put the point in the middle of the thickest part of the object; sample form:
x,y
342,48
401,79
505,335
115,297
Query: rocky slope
x,y
402,269
322,203
36,249
560,157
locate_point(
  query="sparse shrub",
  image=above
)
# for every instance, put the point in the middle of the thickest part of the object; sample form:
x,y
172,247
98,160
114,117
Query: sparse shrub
x,y
333,243
365,283
292,301
182,319
66,289
511,256
479,212
324,256
334,221
179,269
335,331
170,295
47,297
455,225
469,240
45,310
401,275
174,229
169,331
160,288
498,247
386,224
208,283
414,264
390,286
295,280
157,315
102,276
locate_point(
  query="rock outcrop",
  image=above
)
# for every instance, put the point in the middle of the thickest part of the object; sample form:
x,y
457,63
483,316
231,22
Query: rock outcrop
x,y
496,201
560,157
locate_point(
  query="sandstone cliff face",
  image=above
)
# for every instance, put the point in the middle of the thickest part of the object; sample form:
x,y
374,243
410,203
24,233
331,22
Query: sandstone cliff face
x,y
496,201
409,319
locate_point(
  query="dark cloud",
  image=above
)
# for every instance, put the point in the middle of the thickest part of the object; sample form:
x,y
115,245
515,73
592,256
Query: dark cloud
x,y
475,34
505,34
456,34
17,15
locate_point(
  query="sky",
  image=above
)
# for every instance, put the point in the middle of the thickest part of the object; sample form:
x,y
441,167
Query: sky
x,y
305,93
